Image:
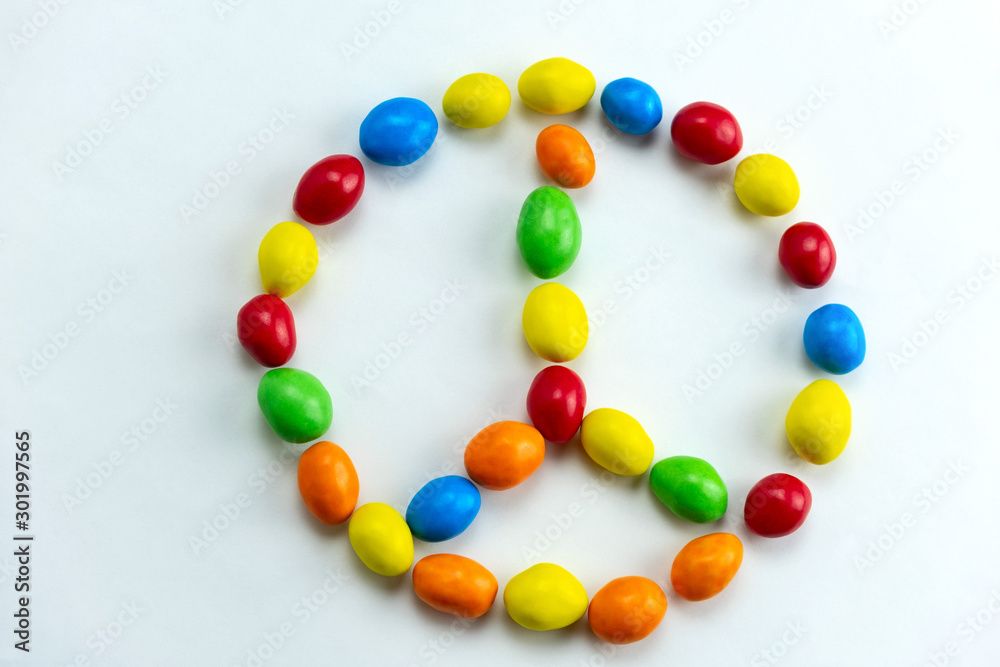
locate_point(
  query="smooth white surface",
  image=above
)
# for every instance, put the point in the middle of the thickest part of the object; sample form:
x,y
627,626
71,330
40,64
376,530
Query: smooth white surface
x,y
878,101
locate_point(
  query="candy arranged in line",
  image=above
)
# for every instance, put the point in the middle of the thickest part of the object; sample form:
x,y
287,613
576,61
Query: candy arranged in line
x,y
443,508
690,488
616,442
455,585
777,505
565,156
555,323
329,190
706,132
288,258
626,610
548,232
266,330
398,132
632,105
556,402
381,539
504,454
706,565
834,339
295,404
328,482
807,255
476,101
545,597
818,422
766,185
556,85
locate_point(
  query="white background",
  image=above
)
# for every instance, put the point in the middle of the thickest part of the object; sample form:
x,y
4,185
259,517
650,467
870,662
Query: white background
x,y
860,587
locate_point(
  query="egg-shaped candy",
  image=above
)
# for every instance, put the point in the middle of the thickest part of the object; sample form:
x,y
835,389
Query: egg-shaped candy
x,y
545,597
555,323
288,258
266,330
626,610
818,423
565,156
381,539
295,404
777,505
766,185
706,565
706,132
329,190
328,482
454,585
834,339
690,488
556,85
616,442
807,255
398,132
548,232
476,101
443,508
632,105
556,402
504,454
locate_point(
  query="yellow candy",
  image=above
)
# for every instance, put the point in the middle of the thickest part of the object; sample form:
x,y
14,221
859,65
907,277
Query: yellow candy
x,y
819,422
287,258
381,539
476,100
556,85
555,322
545,597
616,441
766,185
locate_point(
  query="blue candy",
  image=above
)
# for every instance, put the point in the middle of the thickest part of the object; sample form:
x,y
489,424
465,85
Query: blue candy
x,y
834,339
631,105
443,508
398,131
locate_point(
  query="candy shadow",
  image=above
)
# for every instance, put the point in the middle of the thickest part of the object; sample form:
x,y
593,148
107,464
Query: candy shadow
x,y
319,528
390,585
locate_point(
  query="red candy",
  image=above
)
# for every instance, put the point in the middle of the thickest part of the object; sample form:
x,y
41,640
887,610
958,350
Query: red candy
x,y
807,254
706,132
329,190
556,401
777,505
266,330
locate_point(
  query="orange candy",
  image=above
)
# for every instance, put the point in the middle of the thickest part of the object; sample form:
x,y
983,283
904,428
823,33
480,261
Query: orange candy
x,y
706,565
565,156
455,585
328,482
626,610
504,454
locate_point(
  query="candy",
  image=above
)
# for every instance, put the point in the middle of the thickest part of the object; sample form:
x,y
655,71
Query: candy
x,y
690,488
631,105
706,565
807,254
565,156
443,508
266,330
476,100
766,185
288,258
328,482
545,597
706,132
555,323
616,441
818,423
548,232
295,404
329,190
777,505
455,585
626,610
556,85
398,132
381,539
504,454
556,401
834,339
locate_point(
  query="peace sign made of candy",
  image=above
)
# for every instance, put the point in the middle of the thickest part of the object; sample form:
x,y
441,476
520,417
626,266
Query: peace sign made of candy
x,y
546,596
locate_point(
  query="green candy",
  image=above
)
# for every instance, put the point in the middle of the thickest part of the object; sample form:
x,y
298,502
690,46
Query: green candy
x,y
295,404
548,232
690,488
